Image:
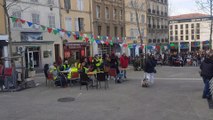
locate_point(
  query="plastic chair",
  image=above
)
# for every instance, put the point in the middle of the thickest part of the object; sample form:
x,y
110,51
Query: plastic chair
x,y
8,72
1,77
84,80
113,73
101,77
74,78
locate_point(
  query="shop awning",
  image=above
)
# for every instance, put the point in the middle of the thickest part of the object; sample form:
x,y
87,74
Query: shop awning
x,y
3,40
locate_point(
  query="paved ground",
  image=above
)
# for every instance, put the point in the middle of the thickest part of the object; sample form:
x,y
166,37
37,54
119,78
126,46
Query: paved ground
x,y
176,95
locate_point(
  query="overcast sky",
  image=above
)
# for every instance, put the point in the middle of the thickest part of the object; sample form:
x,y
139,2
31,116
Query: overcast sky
x,y
177,7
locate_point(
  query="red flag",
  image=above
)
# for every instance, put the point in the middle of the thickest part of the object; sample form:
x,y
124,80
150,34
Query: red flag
x,y
86,39
49,30
22,21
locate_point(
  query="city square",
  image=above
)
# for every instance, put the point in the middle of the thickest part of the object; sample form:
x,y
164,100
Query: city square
x,y
176,95
106,59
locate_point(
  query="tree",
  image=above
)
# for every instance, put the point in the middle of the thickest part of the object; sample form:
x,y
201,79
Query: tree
x,y
139,7
207,7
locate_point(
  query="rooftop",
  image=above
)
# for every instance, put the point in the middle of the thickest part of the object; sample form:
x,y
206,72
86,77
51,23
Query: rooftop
x,y
188,16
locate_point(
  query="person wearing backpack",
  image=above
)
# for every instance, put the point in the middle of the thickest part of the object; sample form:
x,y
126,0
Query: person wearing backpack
x,y
150,70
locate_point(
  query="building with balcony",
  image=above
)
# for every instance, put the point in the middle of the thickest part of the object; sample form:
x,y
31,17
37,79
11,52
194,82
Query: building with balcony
x,y
108,19
76,18
157,22
37,45
190,32
132,29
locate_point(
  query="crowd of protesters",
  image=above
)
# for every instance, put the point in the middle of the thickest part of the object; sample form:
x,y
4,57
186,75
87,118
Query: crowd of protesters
x,y
98,63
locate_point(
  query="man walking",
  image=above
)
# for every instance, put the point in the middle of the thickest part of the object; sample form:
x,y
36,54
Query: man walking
x,y
207,74
124,61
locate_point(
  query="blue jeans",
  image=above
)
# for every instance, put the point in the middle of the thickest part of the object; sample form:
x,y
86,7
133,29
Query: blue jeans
x,y
124,73
206,91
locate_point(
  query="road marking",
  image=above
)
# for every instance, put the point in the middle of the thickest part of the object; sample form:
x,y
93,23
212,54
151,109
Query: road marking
x,y
194,79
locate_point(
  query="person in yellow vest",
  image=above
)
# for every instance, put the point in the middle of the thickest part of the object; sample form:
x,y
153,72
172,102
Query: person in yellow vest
x,y
77,64
98,63
66,66
59,81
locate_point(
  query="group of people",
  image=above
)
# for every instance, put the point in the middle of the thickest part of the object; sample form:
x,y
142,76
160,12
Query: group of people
x,y
99,63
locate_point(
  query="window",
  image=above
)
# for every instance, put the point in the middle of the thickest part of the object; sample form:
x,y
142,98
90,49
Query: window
x,y
121,14
68,23
176,38
171,27
35,18
171,38
142,19
192,31
131,33
114,14
99,30
176,32
181,32
122,32
197,31
181,37
187,37
98,14
80,5
108,31
198,25
79,24
17,14
176,26
67,5
181,26
198,37
131,17
192,37
171,32
51,2
187,31
31,36
51,21
107,13
187,26
192,25
116,31
34,0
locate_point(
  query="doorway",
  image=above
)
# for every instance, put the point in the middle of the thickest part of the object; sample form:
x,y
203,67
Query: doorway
x,y
32,57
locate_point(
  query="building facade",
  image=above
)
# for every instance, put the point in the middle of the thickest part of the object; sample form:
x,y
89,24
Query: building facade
x,y
190,32
108,19
132,32
76,18
37,45
3,33
157,20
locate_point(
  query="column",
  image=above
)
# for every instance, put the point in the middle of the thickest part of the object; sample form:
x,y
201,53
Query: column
x,y
5,54
201,45
190,46
178,47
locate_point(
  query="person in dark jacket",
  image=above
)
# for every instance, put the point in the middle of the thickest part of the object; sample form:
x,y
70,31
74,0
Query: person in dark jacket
x,y
207,74
149,69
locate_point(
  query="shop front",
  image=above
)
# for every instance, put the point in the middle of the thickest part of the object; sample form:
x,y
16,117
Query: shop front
x,y
76,50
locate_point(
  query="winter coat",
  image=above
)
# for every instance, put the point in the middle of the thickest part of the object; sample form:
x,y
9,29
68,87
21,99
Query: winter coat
x,y
124,61
207,68
150,66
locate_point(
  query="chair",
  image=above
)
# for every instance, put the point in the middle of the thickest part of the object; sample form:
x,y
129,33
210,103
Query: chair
x,y
113,73
84,80
1,77
49,78
8,72
74,77
101,77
